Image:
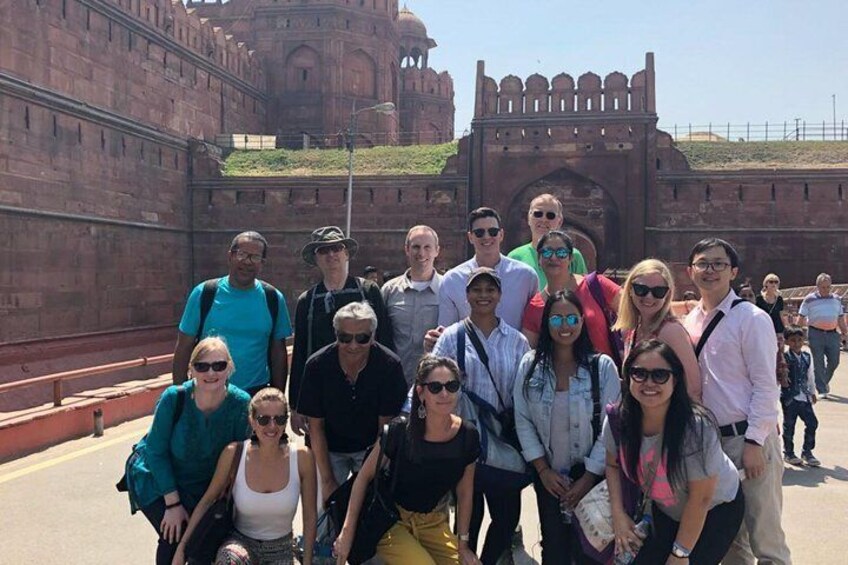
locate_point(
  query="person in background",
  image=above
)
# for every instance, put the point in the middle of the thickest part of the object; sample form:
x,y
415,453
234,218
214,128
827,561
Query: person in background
x,y
556,423
645,313
669,445
192,425
272,476
798,397
746,292
544,215
771,302
433,453
822,313
373,274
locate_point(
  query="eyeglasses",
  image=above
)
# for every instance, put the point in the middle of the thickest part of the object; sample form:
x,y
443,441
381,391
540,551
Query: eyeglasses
x,y
327,249
361,339
772,282
659,376
252,258
548,215
203,366
435,387
560,252
717,266
642,290
265,419
480,233
570,320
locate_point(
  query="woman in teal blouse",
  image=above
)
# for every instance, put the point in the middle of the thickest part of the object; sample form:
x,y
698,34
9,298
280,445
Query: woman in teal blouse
x,y
192,424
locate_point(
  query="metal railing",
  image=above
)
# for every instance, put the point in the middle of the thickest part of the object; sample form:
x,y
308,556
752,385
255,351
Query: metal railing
x,y
58,378
791,130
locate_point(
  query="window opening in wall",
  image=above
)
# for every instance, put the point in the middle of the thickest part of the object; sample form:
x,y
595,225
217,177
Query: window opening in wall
x,y
523,133
79,132
497,132
87,19
604,133
806,192
55,127
304,75
588,104
102,139
509,106
674,192
739,195
773,193
840,192
288,23
141,150
164,59
575,132
181,68
615,103
26,124
318,22
535,105
177,161
129,41
110,30
64,8
575,103
347,24
549,133
659,164
123,146
562,104
180,33
707,194
160,156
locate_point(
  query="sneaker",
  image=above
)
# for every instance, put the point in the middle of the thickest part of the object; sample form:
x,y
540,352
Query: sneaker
x,y
810,460
792,459
823,396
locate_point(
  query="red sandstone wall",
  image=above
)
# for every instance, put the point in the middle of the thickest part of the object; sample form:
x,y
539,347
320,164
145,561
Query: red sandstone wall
x,y
426,107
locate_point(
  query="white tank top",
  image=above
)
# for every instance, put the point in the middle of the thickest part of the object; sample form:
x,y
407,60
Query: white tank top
x,y
266,516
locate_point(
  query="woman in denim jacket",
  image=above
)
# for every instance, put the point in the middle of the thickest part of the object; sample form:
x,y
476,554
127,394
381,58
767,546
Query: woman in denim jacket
x,y
553,418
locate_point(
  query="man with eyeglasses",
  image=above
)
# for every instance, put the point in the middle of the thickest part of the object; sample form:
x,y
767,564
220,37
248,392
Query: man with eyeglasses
x,y
545,214
350,389
737,354
330,251
250,314
821,311
520,283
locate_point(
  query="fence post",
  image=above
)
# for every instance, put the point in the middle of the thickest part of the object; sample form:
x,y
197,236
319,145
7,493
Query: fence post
x,y
823,129
748,132
710,132
766,131
804,131
728,131
690,131
675,132
784,130
57,393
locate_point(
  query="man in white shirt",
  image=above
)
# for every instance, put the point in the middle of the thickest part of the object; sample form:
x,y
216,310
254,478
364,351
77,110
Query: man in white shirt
x,y
737,364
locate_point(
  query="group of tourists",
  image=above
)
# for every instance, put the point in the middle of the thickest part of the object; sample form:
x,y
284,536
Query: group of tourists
x,y
511,370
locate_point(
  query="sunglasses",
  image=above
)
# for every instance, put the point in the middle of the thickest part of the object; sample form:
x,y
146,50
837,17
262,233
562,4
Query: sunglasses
x,y
435,387
772,282
327,249
203,366
548,215
642,290
659,376
480,233
265,419
560,252
361,339
556,320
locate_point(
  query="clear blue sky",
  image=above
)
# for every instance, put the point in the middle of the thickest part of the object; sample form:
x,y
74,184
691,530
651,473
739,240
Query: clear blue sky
x,y
716,60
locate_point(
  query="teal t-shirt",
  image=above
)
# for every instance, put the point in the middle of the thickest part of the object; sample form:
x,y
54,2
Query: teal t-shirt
x,y
241,317
527,254
183,457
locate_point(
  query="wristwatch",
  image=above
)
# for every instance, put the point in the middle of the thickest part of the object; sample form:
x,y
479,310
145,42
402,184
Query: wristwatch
x,y
464,537
679,551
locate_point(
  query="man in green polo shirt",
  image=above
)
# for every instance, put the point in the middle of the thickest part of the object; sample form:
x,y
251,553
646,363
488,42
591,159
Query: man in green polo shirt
x,y
545,214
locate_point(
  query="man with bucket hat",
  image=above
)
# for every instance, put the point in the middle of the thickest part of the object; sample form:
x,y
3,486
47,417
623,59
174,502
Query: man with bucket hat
x,y
330,251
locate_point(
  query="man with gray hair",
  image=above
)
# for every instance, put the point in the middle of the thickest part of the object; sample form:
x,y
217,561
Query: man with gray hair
x,y
823,314
350,389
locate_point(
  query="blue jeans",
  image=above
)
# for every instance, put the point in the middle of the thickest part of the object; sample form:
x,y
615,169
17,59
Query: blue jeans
x,y
793,410
824,347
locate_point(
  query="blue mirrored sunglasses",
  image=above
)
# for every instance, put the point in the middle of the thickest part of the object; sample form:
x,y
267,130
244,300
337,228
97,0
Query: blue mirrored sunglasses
x,y
560,252
556,320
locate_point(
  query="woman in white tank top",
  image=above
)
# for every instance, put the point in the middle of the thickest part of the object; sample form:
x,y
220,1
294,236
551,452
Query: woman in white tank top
x,y
272,474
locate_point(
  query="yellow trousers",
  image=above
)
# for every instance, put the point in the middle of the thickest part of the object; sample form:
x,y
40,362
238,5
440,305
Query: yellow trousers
x,y
420,539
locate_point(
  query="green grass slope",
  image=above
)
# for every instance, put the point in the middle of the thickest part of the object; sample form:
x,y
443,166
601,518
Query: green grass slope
x,y
765,155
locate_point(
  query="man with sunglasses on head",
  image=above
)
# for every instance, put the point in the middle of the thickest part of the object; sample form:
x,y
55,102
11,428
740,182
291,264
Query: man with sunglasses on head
x,y
737,353
350,389
544,215
520,283
249,314
330,251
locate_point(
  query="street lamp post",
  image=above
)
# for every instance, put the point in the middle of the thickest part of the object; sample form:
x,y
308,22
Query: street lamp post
x,y
382,108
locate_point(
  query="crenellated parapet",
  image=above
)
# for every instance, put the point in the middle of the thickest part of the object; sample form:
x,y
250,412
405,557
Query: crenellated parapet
x,y
562,95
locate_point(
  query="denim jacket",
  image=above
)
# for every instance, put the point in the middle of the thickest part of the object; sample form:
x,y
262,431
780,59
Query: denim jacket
x,y
534,404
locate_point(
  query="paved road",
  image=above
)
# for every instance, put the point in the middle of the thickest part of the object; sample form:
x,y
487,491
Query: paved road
x,y
60,506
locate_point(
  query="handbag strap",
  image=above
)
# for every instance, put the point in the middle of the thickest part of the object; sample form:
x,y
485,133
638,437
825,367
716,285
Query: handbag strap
x,y
468,328
712,326
231,476
384,441
594,285
652,469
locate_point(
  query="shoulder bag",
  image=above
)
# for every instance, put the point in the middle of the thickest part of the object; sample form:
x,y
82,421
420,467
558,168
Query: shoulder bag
x,y
616,342
216,523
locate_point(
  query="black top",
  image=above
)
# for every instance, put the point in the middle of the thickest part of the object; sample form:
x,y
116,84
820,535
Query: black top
x,y
421,485
350,411
324,307
773,310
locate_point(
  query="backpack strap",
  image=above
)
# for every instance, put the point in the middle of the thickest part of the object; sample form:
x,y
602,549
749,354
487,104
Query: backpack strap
x,y
594,285
207,299
484,357
596,397
273,302
178,408
460,349
712,326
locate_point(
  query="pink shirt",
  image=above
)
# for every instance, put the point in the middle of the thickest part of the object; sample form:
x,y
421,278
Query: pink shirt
x,y
738,365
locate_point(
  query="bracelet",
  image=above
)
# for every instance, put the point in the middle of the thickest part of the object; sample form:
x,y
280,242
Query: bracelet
x,y
174,505
464,537
679,551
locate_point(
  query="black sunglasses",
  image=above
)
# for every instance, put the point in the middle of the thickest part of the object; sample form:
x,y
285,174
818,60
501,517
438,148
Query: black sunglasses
x,y
203,366
435,387
265,419
361,339
481,232
642,290
659,376
327,249
548,215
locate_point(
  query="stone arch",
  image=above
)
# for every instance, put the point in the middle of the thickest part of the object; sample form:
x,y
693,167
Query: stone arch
x,y
590,212
360,75
303,70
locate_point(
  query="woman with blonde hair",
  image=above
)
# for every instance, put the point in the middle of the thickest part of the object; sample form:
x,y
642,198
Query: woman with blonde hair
x,y
645,313
172,465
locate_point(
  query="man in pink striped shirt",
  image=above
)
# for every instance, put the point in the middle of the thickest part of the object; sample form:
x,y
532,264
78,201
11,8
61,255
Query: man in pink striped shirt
x,y
737,363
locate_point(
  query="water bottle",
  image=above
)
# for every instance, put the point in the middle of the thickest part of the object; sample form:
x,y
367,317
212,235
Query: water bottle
x,y
642,529
566,513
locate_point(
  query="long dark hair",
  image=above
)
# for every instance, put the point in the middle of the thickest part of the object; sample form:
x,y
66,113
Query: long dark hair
x,y
583,349
684,416
415,426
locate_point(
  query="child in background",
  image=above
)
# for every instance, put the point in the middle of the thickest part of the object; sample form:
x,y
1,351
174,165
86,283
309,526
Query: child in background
x,y
797,395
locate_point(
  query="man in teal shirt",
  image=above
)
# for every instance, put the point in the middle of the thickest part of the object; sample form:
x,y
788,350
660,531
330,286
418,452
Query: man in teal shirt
x,y
545,214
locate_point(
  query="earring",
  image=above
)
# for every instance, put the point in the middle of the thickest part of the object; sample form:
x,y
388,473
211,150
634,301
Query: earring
x,y
422,411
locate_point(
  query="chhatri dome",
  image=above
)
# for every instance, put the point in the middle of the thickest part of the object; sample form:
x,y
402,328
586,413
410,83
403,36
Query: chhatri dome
x,y
410,24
